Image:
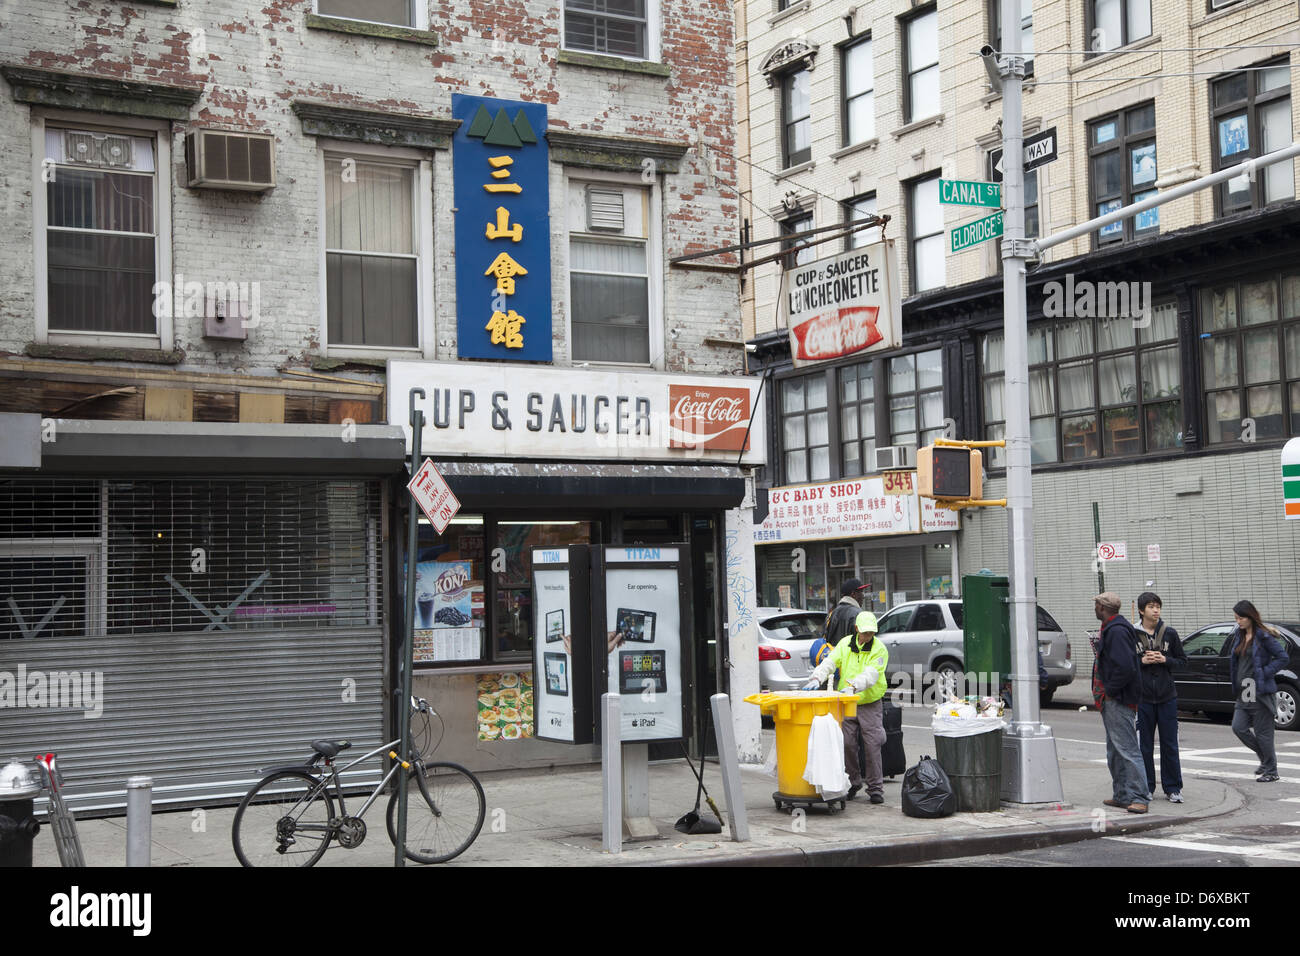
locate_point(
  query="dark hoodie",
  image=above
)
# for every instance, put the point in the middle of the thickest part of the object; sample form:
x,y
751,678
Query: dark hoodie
x,y
1158,679
1118,660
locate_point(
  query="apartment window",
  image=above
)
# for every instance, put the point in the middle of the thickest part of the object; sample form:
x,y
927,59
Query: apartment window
x,y
102,248
1098,388
1250,357
921,66
399,12
1252,117
925,235
916,398
796,122
1026,30
859,119
1122,158
805,429
792,228
609,278
371,253
857,419
856,210
614,27
1116,23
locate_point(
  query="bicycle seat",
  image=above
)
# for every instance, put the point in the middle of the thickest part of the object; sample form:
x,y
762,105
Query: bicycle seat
x,y
330,748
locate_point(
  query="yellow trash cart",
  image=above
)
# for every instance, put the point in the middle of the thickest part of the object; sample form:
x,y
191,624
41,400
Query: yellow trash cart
x,y
792,712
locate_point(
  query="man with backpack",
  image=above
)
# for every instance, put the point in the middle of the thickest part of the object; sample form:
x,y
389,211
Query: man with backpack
x,y
839,623
1117,690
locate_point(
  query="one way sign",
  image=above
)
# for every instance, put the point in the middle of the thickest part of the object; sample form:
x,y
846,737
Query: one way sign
x,y
1040,149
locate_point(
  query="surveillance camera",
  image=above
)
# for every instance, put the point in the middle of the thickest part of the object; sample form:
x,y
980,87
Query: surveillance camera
x,y
990,58
751,347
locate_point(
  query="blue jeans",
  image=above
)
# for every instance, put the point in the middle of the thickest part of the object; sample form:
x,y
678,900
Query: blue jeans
x,y
1162,717
1123,753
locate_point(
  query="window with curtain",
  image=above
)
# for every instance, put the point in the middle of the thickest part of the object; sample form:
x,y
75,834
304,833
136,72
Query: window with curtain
x,y
1250,357
857,419
793,228
613,27
1122,158
1116,23
796,118
858,209
925,235
399,12
1042,396
805,429
921,66
1252,117
371,263
916,398
609,279
859,96
101,231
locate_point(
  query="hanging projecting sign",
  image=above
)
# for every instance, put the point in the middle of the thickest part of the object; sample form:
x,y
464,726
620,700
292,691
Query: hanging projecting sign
x,y
843,305
511,411
501,166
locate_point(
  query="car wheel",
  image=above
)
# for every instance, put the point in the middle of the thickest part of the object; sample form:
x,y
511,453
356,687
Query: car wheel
x,y
1045,696
1286,697
947,675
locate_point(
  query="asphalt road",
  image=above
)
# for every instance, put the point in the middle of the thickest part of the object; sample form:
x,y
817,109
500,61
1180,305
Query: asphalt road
x,y
1264,832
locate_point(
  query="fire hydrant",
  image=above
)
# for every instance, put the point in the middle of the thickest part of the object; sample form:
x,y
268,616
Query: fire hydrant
x,y
18,825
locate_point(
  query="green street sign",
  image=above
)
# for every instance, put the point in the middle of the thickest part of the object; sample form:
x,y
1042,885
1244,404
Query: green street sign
x,y
959,192
973,233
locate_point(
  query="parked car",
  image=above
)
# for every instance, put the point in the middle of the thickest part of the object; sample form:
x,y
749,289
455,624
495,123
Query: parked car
x,y
1205,684
929,634
785,635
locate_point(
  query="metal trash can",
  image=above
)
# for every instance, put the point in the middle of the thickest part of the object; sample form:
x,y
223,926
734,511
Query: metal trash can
x,y
974,765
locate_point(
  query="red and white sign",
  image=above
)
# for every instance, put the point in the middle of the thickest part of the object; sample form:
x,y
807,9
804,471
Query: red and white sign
x,y
853,508
432,493
708,416
842,305
1153,552
1112,551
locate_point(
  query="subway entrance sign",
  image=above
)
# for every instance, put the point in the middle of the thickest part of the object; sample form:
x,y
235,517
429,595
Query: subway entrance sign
x,y
960,192
1291,478
973,233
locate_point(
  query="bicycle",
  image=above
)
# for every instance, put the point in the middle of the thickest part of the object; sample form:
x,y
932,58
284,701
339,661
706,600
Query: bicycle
x,y
288,818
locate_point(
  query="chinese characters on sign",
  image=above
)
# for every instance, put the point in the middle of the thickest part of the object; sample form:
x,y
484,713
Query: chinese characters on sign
x,y
859,507
503,274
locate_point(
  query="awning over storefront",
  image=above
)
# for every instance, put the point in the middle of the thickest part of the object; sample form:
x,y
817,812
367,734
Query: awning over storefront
x,y
75,446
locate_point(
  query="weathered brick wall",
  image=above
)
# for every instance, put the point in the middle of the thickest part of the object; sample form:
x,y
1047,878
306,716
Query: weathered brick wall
x,y
260,57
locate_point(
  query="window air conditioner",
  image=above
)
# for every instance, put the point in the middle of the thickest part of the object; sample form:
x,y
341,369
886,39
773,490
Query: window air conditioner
x,y
217,159
895,457
840,557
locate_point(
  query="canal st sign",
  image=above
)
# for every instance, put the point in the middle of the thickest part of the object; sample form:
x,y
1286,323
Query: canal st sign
x,y
960,192
842,305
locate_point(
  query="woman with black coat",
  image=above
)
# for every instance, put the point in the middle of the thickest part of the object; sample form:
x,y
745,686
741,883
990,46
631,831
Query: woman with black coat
x,y
1255,654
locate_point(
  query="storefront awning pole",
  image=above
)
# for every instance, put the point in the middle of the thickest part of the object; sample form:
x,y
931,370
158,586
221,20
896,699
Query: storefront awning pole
x,y
408,631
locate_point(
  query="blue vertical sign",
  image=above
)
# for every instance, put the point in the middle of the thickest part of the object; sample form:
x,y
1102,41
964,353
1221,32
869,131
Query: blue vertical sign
x,y
501,166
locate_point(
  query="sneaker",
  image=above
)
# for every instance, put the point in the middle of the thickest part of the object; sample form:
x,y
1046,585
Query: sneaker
x,y
877,798
1267,778
1136,808
853,790
1151,796
1259,770
1176,797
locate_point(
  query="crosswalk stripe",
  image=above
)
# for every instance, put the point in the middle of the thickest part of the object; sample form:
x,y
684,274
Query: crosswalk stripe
x,y
1290,799
1274,852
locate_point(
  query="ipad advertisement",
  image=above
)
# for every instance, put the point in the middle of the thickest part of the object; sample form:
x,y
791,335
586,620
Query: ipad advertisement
x,y
553,683
645,645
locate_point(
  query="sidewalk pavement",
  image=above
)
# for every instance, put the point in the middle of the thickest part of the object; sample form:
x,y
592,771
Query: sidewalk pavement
x,y
552,818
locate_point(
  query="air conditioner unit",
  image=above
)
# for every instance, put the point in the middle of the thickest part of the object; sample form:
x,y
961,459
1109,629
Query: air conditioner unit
x,y
217,159
840,557
895,457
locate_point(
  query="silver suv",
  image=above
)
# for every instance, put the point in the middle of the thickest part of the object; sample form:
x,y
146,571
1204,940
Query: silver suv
x,y
928,634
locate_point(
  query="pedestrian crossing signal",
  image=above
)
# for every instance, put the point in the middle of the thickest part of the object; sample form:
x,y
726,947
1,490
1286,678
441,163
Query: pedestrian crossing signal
x,y
950,472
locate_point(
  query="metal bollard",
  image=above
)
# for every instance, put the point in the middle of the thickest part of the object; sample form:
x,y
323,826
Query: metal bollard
x,y
18,825
139,820
611,766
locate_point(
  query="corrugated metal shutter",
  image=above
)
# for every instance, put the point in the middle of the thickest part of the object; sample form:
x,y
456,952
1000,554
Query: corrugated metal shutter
x,y
204,672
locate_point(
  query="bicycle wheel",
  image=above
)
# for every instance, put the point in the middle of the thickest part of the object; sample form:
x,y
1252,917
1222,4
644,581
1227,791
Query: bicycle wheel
x,y
444,812
283,821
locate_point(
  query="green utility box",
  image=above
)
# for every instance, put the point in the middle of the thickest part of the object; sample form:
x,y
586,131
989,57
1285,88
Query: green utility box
x,y
986,623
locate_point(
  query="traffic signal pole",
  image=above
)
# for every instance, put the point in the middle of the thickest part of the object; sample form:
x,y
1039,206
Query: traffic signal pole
x,y
1030,772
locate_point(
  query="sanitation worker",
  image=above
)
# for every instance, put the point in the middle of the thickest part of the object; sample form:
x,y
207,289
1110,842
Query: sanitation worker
x,y
860,659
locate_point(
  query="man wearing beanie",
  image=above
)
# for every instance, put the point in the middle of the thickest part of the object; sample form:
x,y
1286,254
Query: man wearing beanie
x,y
839,623
1119,675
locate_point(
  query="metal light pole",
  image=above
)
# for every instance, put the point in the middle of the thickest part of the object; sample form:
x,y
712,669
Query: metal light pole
x,y
408,629
1030,773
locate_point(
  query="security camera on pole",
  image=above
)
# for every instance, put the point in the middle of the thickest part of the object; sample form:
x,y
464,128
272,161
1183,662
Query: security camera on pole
x,y
1030,773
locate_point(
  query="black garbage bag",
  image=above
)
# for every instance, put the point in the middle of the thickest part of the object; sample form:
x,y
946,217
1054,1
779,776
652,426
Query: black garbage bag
x,y
927,792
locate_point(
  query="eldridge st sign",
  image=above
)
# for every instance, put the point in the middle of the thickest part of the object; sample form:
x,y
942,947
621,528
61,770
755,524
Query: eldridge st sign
x,y
843,305
499,411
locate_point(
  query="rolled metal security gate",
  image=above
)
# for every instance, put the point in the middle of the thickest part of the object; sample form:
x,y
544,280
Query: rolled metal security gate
x,y
193,630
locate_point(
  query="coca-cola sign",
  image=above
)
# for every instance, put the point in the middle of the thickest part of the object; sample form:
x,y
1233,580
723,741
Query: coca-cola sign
x,y
709,417
842,305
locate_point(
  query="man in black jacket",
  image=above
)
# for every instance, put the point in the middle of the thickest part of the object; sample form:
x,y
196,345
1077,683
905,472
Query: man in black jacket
x,y
1121,680
839,623
1161,654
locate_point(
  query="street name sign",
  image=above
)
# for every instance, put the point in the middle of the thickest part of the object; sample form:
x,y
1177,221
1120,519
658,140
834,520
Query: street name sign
x,y
434,496
1039,150
960,192
973,233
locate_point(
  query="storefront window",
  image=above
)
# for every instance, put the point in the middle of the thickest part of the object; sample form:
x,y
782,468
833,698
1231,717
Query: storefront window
x,y
512,609
814,581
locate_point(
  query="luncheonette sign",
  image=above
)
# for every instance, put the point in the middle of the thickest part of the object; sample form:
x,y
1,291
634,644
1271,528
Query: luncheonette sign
x,y
510,411
843,305
852,508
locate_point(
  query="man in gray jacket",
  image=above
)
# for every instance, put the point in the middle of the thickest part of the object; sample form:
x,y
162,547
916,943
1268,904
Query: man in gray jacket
x,y
839,623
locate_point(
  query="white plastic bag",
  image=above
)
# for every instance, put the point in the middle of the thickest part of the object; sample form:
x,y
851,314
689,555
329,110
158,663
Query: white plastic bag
x,y
824,770
965,726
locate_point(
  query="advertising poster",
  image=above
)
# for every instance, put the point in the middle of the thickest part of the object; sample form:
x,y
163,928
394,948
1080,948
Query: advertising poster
x,y
552,649
505,706
643,618
448,612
